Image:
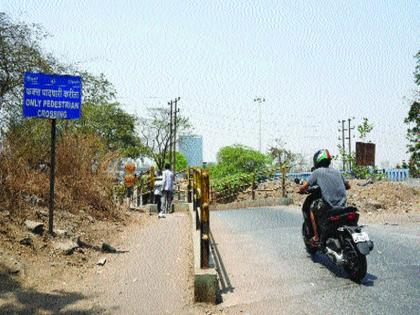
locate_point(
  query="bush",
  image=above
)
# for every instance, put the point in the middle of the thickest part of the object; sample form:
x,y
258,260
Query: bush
x,y
82,180
228,187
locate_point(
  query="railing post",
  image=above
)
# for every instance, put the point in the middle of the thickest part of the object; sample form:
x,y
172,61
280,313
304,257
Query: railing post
x,y
254,185
189,188
205,220
283,181
194,192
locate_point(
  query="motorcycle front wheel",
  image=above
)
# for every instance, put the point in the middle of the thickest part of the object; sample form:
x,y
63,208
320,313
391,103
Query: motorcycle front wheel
x,y
306,239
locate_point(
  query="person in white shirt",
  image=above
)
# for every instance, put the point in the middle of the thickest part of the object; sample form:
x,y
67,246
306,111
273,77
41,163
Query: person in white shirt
x,y
167,192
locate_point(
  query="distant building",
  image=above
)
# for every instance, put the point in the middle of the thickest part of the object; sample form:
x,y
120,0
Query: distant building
x,y
191,146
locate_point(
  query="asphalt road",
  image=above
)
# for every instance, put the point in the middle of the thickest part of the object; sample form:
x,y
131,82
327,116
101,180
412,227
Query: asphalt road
x,y
266,269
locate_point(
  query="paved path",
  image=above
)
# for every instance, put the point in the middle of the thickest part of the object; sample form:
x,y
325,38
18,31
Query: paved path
x,y
154,277
269,272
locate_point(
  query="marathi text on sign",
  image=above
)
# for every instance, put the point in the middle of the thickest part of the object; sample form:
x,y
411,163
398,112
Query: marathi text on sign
x,y
52,96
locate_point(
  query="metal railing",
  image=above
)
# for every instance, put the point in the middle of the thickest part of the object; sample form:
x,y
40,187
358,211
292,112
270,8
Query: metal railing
x,y
199,194
397,174
250,185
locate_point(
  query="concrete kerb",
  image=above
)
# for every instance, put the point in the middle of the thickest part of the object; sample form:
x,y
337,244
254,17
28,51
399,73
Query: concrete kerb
x,y
253,203
178,206
205,280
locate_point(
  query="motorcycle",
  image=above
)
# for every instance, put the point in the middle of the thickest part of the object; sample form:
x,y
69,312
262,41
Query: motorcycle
x,y
340,237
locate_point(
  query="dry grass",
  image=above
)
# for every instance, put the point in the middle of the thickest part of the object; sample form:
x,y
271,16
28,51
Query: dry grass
x,y
24,172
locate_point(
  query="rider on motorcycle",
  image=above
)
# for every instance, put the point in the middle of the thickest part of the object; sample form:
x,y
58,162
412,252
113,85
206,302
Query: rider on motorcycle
x,y
332,184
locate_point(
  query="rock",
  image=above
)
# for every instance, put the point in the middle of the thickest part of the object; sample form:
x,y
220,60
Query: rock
x,y
80,242
15,268
80,250
108,248
101,261
5,213
61,233
67,247
10,265
34,227
42,214
27,241
34,200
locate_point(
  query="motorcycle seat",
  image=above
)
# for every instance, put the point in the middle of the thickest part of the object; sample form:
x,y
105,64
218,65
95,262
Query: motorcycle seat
x,y
341,210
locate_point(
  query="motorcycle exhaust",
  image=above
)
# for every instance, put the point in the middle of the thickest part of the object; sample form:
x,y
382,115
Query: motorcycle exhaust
x,y
337,258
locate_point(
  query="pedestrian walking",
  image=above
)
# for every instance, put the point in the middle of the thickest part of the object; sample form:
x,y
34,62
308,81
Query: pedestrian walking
x,y
167,192
158,191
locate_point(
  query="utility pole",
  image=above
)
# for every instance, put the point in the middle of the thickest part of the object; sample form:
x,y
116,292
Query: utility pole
x,y
175,125
343,138
260,101
170,103
172,132
343,148
350,128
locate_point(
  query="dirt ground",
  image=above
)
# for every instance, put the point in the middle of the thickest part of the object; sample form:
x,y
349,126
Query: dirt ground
x,y
37,262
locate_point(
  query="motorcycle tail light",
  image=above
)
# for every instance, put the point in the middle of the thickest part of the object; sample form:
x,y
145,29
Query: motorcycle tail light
x,y
334,218
351,216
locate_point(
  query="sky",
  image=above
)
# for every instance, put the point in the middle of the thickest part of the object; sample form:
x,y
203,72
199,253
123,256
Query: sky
x,y
314,62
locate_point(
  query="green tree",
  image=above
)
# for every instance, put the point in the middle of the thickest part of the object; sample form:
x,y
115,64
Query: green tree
x,y
181,162
20,51
413,131
238,159
364,129
115,126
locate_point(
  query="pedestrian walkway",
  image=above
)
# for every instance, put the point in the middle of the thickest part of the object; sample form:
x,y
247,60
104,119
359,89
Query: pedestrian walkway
x,y
154,277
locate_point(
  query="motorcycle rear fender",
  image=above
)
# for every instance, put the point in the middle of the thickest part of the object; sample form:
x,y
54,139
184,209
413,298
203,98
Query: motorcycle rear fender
x,y
364,248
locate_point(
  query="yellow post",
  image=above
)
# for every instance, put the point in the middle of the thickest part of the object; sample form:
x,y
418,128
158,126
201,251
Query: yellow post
x,y
205,220
189,187
283,180
254,186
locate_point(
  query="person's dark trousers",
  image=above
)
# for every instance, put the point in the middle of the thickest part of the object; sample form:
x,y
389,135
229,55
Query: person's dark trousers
x,y
167,198
158,201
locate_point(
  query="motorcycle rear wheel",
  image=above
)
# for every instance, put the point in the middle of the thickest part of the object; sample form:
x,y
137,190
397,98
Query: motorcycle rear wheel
x,y
357,268
306,239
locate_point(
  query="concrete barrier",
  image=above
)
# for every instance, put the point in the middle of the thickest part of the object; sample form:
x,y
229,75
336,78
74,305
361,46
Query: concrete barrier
x,y
180,206
267,202
205,280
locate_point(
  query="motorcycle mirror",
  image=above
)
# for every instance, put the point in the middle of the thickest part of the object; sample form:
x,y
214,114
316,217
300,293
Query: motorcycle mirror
x,y
297,180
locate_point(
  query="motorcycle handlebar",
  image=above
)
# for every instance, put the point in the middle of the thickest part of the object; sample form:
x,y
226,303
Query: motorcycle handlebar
x,y
309,190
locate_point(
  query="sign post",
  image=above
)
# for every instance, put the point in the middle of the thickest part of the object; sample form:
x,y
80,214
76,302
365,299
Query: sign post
x,y
52,96
52,178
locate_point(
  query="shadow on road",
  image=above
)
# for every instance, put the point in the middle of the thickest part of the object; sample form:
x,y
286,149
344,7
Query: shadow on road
x,y
15,299
369,279
225,284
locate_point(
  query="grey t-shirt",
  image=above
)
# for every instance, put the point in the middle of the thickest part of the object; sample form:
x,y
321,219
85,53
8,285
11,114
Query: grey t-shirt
x,y
332,185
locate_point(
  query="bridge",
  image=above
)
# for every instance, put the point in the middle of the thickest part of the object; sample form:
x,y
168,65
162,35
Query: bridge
x,y
251,258
262,267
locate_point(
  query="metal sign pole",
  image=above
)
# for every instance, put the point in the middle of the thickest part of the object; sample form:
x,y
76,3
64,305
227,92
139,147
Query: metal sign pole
x,y
52,177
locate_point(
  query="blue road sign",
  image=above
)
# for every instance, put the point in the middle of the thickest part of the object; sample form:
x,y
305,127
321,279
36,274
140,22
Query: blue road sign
x,y
52,96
